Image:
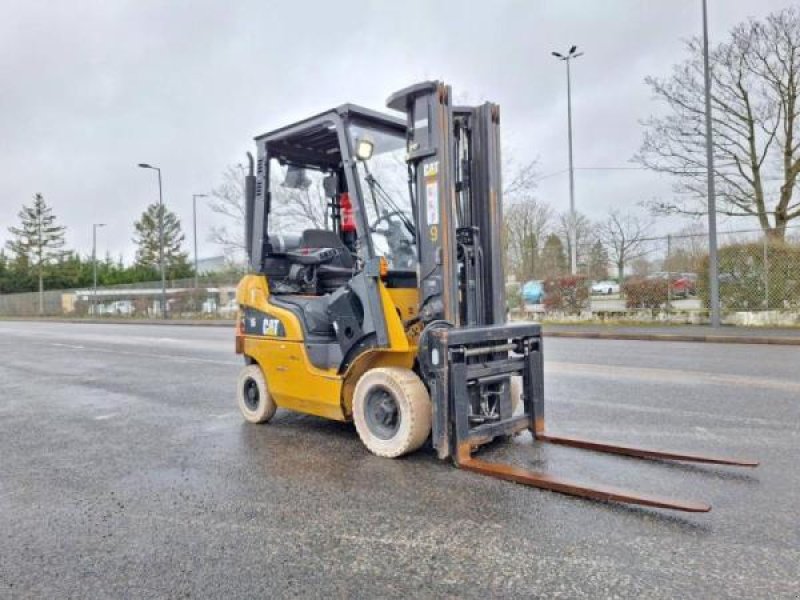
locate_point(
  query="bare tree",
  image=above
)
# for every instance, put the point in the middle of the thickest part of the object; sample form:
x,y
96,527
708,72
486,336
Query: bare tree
x,y
520,180
756,111
526,225
300,209
585,235
625,235
227,199
526,220
640,267
689,249
293,208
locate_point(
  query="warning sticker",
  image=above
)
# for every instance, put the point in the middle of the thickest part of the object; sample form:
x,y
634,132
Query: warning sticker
x,y
430,171
432,199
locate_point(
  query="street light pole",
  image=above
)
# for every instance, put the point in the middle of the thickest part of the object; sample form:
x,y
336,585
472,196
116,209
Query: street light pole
x,y
573,254
160,240
194,225
713,267
94,266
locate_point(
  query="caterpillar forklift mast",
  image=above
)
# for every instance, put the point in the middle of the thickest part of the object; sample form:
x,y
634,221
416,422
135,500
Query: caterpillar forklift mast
x,y
394,315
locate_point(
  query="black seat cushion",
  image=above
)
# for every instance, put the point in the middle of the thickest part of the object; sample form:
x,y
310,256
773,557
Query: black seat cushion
x,y
313,311
322,238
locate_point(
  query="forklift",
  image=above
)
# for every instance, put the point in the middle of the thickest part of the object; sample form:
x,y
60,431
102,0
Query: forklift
x,y
393,314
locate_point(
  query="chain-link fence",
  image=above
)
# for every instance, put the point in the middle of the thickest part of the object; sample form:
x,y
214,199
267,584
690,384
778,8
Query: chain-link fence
x,y
666,278
210,297
759,277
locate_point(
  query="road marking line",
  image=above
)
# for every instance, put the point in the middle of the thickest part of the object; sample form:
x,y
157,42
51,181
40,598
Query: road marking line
x,y
150,355
225,415
672,376
671,411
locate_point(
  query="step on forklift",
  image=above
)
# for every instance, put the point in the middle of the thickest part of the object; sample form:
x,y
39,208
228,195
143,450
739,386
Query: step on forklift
x,y
393,314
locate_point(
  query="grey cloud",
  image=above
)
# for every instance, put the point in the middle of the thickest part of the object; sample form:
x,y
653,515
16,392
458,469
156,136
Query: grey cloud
x,y
89,89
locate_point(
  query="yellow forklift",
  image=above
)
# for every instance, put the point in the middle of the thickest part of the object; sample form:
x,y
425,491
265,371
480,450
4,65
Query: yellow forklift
x,y
393,315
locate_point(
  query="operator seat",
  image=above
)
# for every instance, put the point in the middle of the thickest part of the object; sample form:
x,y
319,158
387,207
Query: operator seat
x,y
336,272
322,238
333,274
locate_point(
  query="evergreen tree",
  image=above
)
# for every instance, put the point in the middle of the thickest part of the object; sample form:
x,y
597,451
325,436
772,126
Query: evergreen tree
x,y
529,250
598,261
38,241
5,273
553,259
69,271
176,262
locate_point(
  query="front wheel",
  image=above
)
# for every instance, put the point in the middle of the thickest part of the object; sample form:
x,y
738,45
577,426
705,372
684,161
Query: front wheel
x,y
256,404
392,411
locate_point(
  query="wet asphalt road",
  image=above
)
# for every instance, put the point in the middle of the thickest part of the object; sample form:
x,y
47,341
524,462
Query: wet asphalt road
x,y
126,472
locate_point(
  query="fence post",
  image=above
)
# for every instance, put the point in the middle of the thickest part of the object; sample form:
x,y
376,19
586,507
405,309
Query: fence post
x,y
766,274
669,275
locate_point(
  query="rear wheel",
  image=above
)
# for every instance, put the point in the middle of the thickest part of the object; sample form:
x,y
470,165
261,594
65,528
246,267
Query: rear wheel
x,y
391,411
256,404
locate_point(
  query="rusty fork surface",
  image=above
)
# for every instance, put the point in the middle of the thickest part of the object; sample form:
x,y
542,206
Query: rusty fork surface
x,y
603,493
545,481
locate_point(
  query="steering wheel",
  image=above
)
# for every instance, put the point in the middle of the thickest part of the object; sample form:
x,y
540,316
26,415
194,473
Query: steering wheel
x,y
385,217
400,247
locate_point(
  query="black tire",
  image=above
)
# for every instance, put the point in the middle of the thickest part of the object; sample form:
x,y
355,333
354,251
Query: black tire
x,y
253,397
391,411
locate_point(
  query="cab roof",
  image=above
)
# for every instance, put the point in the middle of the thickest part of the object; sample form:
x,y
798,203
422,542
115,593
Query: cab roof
x,y
313,142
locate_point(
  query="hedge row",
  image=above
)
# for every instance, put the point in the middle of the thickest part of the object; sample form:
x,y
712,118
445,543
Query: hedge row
x,y
567,294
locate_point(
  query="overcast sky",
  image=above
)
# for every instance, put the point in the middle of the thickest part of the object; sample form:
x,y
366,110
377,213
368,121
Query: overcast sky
x,y
90,89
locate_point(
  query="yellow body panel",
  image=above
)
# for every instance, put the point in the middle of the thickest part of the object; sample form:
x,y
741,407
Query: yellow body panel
x,y
293,381
406,300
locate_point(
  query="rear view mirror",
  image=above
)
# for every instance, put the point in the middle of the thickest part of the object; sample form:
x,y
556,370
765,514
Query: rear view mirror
x,y
331,186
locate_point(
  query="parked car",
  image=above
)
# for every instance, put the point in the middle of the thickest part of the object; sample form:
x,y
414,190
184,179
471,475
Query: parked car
x,y
684,285
116,308
605,287
681,285
533,292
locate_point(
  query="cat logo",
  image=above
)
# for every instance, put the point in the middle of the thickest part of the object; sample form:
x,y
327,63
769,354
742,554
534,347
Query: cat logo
x,y
271,327
255,322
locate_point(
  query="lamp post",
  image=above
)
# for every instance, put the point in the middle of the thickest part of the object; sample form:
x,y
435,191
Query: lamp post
x,y
94,266
160,240
194,226
573,255
713,268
